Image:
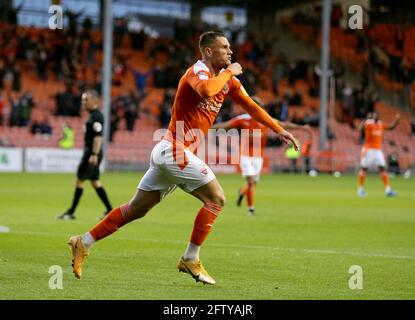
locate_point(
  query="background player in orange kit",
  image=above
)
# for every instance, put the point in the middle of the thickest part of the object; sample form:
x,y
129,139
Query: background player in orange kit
x,y
200,94
252,152
372,154
306,151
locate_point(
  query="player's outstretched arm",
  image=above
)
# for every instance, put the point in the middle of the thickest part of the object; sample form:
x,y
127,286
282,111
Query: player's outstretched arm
x,y
394,123
210,87
260,115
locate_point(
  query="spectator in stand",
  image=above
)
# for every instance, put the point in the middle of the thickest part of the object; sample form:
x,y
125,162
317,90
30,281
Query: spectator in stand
x,y
284,108
21,108
87,25
40,122
296,119
360,107
347,105
91,51
279,71
294,98
274,108
24,109
58,58
370,99
9,75
14,109
140,78
249,79
73,20
114,120
336,15
163,71
130,114
42,63
68,104
9,14
138,39
408,77
314,81
120,29
166,107
313,119
225,112
133,110
119,70
17,82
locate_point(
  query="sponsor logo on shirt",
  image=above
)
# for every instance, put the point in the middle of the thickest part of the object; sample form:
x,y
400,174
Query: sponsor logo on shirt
x,y
209,105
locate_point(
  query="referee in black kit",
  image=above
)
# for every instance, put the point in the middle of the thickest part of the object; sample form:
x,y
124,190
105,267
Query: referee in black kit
x,y
88,169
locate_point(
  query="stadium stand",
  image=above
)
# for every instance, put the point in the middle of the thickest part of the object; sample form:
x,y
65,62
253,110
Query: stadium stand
x,y
141,78
386,50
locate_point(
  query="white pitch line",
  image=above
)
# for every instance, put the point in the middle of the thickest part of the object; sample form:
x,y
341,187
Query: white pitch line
x,y
318,251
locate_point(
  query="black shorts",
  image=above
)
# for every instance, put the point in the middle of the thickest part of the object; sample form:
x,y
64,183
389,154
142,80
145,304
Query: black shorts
x,y
87,171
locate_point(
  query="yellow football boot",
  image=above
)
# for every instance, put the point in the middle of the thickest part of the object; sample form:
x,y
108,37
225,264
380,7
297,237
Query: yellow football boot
x,y
79,253
196,270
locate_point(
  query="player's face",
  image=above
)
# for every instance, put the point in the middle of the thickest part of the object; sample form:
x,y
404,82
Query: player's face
x,y
221,53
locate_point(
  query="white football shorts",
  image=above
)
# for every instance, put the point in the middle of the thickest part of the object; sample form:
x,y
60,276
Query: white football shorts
x,y
251,166
165,175
372,158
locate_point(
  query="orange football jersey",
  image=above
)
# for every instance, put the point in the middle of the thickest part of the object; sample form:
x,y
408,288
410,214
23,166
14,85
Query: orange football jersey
x,y
374,134
253,135
193,114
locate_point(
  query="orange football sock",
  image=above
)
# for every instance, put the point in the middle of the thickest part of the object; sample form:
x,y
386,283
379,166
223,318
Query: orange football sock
x,y
244,189
250,197
385,178
361,179
204,222
112,222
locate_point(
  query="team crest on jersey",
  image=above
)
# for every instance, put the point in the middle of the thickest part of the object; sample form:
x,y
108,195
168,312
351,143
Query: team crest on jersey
x,y
225,89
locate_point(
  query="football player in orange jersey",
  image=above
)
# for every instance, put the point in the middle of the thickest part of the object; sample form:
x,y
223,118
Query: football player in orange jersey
x,y
200,94
372,154
252,147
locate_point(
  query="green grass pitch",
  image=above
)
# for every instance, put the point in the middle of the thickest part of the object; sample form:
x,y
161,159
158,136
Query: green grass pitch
x,y
305,236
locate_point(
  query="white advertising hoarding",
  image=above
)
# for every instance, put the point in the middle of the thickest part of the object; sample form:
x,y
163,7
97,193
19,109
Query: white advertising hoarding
x,y
11,159
52,160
